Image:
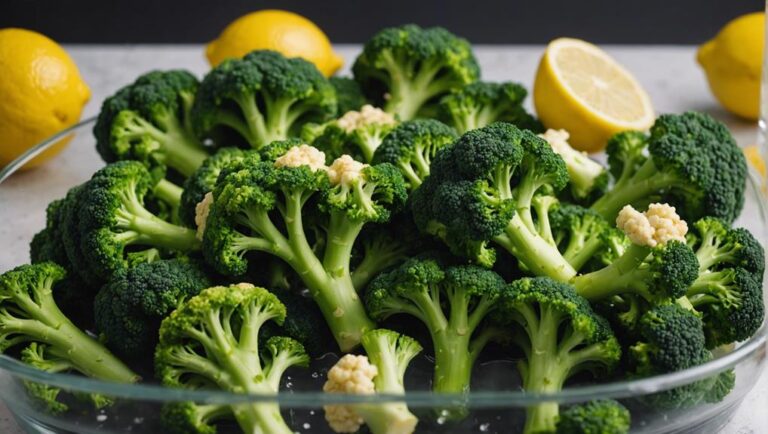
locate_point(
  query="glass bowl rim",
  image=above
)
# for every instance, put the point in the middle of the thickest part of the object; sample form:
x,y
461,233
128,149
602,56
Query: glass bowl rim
x,y
496,398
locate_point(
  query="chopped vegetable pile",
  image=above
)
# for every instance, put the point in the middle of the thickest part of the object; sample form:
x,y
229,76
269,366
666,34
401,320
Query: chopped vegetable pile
x,y
265,216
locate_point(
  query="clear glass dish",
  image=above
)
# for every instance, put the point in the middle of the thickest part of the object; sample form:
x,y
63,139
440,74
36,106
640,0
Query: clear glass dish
x,y
496,403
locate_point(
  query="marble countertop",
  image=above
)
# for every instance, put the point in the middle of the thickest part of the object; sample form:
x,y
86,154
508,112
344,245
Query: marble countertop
x,y
670,74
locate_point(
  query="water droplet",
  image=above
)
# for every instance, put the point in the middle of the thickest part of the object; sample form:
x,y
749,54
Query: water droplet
x,y
484,427
101,418
315,375
138,420
311,412
306,425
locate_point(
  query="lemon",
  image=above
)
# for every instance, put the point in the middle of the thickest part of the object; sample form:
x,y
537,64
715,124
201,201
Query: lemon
x,y
733,60
41,93
755,160
286,32
581,89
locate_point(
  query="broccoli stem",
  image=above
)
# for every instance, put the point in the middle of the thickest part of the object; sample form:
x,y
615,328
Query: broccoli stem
x,y
712,288
168,192
262,418
410,89
49,325
539,256
616,278
331,288
157,232
378,257
388,417
581,249
647,181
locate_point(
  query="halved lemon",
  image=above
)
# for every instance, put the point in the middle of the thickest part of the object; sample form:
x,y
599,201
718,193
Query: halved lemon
x,y
581,89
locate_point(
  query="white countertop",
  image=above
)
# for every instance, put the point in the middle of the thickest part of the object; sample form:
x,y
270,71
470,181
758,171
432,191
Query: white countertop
x,y
670,74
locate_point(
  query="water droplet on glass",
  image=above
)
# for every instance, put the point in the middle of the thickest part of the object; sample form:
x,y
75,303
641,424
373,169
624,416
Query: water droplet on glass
x,y
101,418
484,427
306,425
138,420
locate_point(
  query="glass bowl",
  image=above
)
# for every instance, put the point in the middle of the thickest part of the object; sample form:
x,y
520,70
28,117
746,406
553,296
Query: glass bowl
x,y
495,405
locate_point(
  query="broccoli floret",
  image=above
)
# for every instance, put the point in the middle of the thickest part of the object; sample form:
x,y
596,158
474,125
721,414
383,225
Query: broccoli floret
x,y
29,314
453,302
601,416
411,147
112,220
356,133
482,103
204,179
672,339
487,188
658,266
261,98
728,291
626,152
148,121
582,234
190,418
211,342
693,161
588,178
403,69
349,95
279,207
381,372
129,308
559,334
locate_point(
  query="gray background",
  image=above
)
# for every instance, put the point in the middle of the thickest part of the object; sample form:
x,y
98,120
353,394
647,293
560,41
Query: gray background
x,y
481,21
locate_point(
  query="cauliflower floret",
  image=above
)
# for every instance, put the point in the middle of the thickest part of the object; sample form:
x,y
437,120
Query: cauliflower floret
x,y
558,140
202,210
666,223
658,225
354,375
636,225
368,115
345,170
303,155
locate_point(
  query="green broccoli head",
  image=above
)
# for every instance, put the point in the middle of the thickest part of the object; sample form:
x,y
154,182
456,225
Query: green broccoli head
x,y
211,341
203,180
129,308
693,161
412,145
600,416
358,133
148,121
191,418
303,322
261,98
453,303
559,334
112,220
370,195
483,103
29,314
490,186
671,339
349,95
405,69
719,246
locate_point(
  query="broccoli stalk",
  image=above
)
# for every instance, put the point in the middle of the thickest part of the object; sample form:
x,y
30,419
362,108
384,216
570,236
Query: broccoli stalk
x,y
405,68
391,353
29,314
169,193
582,234
693,161
452,302
212,341
560,336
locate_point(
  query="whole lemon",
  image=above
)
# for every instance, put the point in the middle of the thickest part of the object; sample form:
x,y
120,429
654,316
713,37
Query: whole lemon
x,y
286,32
41,93
733,60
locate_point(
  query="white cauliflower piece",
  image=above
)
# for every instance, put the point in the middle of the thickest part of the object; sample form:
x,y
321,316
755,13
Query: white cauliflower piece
x,y
558,140
368,115
303,155
202,210
658,225
354,375
666,223
345,170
